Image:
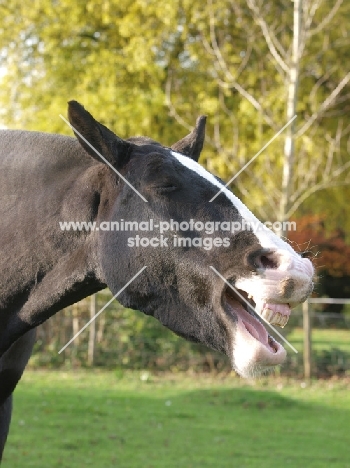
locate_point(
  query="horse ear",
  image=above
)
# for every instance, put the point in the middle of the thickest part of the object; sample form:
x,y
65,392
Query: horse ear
x,y
192,144
96,139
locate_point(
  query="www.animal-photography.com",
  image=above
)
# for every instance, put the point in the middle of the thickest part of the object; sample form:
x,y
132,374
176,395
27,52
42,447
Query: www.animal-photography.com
x,y
174,234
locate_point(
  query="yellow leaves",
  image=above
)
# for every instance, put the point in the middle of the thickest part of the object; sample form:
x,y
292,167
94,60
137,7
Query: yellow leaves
x,y
209,104
116,56
247,109
102,8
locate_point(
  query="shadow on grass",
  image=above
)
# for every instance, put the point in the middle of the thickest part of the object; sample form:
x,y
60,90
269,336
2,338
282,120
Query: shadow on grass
x,y
151,426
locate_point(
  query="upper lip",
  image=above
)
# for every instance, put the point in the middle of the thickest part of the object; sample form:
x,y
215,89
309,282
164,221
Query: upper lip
x,y
232,293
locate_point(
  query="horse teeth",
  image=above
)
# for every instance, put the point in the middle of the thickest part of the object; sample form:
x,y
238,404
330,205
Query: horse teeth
x,y
285,321
267,314
274,318
279,320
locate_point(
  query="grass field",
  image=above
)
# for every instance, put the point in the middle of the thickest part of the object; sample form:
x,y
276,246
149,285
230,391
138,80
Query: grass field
x,y
322,339
135,419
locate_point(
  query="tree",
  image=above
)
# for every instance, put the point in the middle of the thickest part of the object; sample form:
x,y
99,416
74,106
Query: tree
x,y
152,68
297,58
105,55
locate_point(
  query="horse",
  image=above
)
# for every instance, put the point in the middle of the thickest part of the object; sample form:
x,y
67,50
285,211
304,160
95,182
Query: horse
x,y
200,262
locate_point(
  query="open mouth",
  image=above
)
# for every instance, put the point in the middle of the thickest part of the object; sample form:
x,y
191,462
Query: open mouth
x,y
239,309
254,349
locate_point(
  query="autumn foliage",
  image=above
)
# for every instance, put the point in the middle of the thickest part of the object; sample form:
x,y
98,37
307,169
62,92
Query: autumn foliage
x,y
329,251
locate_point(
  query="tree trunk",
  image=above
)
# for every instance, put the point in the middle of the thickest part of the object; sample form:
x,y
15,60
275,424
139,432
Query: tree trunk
x,y
293,81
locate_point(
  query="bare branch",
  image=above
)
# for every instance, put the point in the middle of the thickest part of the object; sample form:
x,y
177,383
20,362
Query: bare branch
x,y
308,178
334,145
310,191
245,59
328,182
311,7
250,98
308,16
323,107
231,81
268,35
330,158
319,83
327,19
340,170
172,109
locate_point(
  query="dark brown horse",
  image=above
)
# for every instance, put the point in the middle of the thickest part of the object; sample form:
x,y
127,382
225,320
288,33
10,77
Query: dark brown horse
x,y
47,181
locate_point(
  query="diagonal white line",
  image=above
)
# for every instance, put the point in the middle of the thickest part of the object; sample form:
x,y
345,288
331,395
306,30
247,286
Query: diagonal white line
x,y
104,159
252,308
257,154
103,308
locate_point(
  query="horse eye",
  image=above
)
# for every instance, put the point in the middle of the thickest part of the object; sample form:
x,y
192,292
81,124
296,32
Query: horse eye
x,y
167,188
166,185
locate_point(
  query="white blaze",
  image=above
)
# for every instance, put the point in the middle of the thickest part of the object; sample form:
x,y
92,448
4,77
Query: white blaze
x,y
266,237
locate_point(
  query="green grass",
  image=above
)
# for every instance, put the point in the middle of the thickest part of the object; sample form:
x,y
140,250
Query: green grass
x,y
322,339
105,419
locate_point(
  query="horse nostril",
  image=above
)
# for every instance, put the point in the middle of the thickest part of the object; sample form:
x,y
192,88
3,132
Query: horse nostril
x,y
268,262
263,259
